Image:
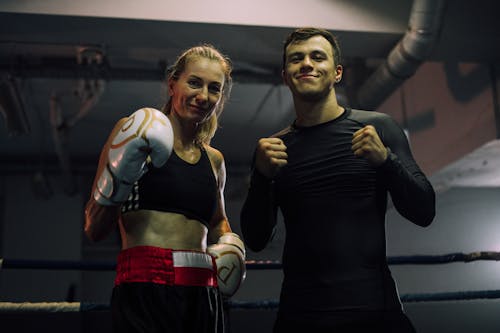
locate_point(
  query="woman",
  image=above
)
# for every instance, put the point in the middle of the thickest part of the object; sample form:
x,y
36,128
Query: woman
x,y
162,182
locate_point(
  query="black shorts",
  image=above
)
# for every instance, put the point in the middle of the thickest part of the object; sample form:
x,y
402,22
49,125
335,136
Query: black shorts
x,y
150,308
351,322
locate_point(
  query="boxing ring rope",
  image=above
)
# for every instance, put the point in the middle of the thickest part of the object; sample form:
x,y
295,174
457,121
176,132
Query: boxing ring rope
x,y
250,264
271,304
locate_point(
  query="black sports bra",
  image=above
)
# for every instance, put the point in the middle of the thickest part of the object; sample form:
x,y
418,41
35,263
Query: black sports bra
x,y
179,187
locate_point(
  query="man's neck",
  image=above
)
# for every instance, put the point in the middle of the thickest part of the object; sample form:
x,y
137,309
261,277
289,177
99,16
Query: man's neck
x,y
317,112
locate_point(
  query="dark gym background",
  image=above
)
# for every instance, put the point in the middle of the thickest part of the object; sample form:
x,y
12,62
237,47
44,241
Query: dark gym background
x,y
70,69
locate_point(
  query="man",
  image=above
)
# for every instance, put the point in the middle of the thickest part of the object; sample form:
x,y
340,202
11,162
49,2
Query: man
x,y
330,173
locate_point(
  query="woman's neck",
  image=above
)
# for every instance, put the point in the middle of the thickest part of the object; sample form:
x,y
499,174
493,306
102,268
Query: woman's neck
x,y
184,133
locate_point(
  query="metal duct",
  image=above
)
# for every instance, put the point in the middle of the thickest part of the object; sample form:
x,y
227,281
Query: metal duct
x,y
406,56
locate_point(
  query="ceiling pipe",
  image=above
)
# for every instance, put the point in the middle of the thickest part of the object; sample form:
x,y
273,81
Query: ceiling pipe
x,y
12,107
60,135
404,59
66,68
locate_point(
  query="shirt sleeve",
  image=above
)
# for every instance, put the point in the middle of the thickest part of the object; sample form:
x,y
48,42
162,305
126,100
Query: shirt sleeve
x,y
259,213
411,192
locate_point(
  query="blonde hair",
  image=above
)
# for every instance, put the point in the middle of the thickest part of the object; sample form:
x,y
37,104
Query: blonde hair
x,y
207,129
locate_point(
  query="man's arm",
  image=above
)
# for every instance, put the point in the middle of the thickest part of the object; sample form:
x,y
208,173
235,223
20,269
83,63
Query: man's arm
x,y
258,215
411,192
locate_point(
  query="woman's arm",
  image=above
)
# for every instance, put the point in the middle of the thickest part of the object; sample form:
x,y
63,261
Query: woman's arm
x,y
219,223
100,220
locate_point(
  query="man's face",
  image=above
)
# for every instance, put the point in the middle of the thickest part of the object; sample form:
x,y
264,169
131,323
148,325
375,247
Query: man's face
x,y
310,71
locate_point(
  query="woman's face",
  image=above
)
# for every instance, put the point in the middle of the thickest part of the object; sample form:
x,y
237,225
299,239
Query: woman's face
x,y
198,90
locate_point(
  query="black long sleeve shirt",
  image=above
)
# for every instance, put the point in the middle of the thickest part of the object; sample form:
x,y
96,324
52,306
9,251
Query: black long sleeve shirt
x,y
334,207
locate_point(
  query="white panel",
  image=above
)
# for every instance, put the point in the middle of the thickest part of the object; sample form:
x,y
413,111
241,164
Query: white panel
x,y
354,15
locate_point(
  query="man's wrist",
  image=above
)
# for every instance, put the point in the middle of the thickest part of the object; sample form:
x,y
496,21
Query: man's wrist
x,y
391,164
260,181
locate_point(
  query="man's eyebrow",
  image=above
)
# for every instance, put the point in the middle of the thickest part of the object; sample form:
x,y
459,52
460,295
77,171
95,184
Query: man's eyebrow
x,y
320,52
297,53
300,53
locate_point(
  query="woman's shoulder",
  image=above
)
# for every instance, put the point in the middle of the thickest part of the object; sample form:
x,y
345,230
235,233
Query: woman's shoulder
x,y
214,155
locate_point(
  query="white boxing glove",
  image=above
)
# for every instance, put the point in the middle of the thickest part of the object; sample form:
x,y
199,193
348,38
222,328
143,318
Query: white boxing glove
x,y
229,253
146,132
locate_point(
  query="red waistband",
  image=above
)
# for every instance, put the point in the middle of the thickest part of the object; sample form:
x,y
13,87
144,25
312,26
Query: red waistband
x,y
165,266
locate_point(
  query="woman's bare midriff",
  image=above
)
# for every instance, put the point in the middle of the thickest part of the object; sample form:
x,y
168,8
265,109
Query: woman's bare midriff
x,y
162,229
